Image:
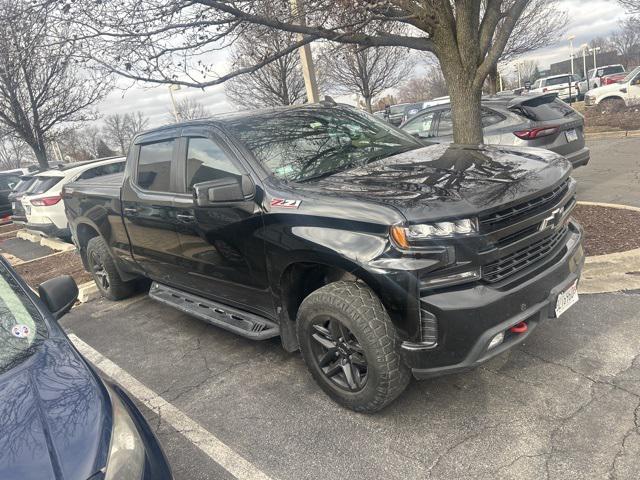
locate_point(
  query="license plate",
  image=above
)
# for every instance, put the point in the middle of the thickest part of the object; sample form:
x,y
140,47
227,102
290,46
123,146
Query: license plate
x,y
566,299
572,135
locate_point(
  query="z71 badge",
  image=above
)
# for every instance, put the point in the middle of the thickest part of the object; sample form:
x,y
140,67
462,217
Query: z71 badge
x,y
285,203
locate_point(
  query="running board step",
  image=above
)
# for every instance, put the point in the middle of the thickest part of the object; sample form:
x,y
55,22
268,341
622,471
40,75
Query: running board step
x,y
236,321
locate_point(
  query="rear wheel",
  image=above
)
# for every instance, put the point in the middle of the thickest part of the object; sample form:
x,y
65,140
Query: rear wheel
x,y
350,346
105,273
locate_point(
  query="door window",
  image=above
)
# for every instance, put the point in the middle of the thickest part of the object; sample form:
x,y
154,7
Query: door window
x,y
154,166
102,170
420,126
206,161
445,127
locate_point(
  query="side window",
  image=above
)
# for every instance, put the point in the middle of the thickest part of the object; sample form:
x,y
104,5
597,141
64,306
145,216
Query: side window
x,y
206,161
489,117
420,126
445,126
154,166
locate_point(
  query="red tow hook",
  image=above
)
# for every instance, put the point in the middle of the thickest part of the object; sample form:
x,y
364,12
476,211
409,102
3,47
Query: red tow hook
x,y
519,328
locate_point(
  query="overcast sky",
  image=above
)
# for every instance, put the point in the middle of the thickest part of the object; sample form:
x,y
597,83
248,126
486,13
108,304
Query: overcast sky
x,y
588,19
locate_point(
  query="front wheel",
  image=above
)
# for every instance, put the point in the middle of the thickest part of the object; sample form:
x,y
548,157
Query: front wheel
x,y
351,347
104,271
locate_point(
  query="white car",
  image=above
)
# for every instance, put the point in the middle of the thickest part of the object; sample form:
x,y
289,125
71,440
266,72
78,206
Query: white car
x,y
627,92
565,86
595,76
44,210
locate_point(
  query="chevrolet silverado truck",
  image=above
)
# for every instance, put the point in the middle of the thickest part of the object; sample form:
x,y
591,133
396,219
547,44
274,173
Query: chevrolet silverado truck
x,y
375,255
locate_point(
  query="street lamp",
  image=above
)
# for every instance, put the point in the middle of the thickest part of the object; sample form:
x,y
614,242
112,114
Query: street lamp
x,y
584,48
173,88
570,38
595,63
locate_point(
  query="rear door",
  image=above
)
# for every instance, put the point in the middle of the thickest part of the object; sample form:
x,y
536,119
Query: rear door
x,y
7,182
148,211
222,254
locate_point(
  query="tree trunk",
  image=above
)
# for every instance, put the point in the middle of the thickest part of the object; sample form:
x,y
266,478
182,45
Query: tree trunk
x,y
367,101
465,112
41,155
493,81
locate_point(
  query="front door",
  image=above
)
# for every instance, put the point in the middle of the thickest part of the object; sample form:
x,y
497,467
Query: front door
x,y
148,210
222,250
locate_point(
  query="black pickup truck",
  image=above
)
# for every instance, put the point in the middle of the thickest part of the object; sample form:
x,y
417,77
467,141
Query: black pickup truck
x,y
374,254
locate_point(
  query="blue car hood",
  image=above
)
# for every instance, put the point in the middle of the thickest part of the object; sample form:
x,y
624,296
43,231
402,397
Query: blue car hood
x,y
54,417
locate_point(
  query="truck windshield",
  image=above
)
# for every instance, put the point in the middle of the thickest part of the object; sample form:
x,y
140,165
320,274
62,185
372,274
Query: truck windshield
x,y
22,329
306,143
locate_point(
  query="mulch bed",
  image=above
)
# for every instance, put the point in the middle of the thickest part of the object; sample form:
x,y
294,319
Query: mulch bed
x,y
608,230
10,227
66,263
623,118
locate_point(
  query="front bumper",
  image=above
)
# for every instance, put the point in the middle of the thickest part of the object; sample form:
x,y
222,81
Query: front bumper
x,y
470,316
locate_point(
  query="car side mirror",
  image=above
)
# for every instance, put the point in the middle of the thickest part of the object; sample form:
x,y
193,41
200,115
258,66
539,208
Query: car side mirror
x,y
59,294
237,188
623,90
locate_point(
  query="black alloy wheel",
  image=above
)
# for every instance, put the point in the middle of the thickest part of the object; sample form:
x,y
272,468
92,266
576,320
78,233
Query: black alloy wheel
x,y
98,269
339,354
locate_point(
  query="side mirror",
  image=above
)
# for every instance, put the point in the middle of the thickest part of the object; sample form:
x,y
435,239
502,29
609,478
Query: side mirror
x,y
59,294
224,190
623,90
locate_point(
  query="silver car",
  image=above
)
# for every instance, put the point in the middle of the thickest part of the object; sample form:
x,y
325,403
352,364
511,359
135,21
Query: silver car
x,y
531,120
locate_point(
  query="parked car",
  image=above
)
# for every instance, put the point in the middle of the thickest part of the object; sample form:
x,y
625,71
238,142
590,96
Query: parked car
x,y
60,420
625,93
530,120
598,77
373,254
565,86
42,204
413,108
7,182
17,211
394,114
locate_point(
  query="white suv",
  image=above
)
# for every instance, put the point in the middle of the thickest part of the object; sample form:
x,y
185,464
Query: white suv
x,y
45,210
627,92
558,84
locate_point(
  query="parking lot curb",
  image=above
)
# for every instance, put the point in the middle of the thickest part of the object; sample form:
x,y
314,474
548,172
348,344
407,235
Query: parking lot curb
x,y
52,243
612,272
88,291
612,134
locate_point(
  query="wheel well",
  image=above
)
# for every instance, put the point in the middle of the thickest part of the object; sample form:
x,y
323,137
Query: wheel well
x,y
84,233
297,282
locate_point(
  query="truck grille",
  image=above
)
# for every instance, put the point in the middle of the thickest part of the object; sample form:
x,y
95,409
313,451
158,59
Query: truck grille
x,y
513,214
523,258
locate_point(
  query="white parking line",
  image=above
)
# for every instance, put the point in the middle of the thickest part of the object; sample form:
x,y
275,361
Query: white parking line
x,y
194,432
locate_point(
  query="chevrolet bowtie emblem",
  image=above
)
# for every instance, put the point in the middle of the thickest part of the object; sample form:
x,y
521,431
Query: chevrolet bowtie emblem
x,y
553,220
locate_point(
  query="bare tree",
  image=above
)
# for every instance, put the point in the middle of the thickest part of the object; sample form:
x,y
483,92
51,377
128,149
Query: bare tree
x,y
82,144
365,71
41,83
626,41
529,70
120,129
424,87
277,83
632,6
188,109
172,41
14,153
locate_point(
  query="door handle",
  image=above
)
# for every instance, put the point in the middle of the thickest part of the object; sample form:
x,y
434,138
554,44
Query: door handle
x,y
185,218
129,211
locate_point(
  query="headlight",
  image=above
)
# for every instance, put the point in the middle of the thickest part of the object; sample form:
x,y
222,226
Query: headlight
x,y
126,451
405,236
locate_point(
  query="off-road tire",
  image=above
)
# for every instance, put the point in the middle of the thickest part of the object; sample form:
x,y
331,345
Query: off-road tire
x,y
358,308
117,289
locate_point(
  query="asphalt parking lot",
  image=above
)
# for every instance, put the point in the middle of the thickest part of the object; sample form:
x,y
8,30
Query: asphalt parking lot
x,y
564,405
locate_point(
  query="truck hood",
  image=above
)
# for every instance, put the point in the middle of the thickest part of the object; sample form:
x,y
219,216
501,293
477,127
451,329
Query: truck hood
x,y
613,87
53,421
450,181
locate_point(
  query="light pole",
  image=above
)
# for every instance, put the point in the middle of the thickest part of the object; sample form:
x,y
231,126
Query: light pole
x,y
584,48
308,69
172,88
595,62
570,38
519,76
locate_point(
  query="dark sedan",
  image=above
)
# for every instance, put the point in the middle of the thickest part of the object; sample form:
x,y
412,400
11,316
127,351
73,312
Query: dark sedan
x,y
58,419
535,120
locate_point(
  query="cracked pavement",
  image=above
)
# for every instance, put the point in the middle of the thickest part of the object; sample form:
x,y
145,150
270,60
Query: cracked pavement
x,y
564,405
